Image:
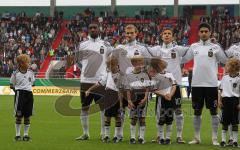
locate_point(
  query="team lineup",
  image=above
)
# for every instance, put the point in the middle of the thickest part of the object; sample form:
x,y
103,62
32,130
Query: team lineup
x,y
123,78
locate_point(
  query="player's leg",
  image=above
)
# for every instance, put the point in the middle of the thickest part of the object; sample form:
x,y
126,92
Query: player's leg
x,y
142,129
211,96
197,104
84,117
123,110
169,120
28,108
18,128
107,124
179,115
133,129
100,97
235,121
230,141
157,112
224,134
26,137
161,122
18,108
117,135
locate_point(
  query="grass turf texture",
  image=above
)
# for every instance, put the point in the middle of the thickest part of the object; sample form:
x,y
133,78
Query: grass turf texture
x,y
50,130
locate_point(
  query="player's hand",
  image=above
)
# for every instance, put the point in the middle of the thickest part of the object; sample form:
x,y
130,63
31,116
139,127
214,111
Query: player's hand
x,y
87,93
168,97
213,40
143,101
130,105
220,104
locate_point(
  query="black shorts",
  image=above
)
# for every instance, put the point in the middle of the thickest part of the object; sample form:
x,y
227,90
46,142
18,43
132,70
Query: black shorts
x,y
139,111
177,98
97,95
23,103
112,104
207,94
229,111
166,116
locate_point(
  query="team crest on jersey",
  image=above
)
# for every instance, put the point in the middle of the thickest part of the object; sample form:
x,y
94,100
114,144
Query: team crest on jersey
x,y
196,53
101,50
210,53
234,85
124,53
173,54
142,79
115,80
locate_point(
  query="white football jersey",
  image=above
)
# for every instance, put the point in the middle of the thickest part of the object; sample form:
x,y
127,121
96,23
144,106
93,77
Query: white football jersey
x,y
92,54
113,81
135,48
230,86
22,81
234,51
173,56
206,57
136,81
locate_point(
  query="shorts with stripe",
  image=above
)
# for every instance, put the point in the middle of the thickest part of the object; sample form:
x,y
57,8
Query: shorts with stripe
x,y
23,103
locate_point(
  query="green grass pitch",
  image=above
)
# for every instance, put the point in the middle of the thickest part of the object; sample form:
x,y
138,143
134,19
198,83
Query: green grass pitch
x,y
52,131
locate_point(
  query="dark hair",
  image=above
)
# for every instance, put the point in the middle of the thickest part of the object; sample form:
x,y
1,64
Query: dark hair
x,y
204,25
167,28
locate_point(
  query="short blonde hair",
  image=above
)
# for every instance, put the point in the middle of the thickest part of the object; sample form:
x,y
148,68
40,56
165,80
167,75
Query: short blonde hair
x,y
111,61
234,65
131,26
23,61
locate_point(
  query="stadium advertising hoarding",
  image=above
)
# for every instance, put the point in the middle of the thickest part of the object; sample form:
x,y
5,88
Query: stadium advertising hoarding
x,y
45,90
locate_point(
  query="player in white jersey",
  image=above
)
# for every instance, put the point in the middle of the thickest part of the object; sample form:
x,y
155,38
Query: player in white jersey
x,y
206,57
21,82
92,54
130,49
165,100
111,81
137,96
229,100
172,54
234,51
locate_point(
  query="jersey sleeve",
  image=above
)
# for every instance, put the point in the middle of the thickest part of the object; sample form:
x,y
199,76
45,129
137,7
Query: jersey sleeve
x,y
220,55
182,50
188,55
13,79
33,78
103,80
155,51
